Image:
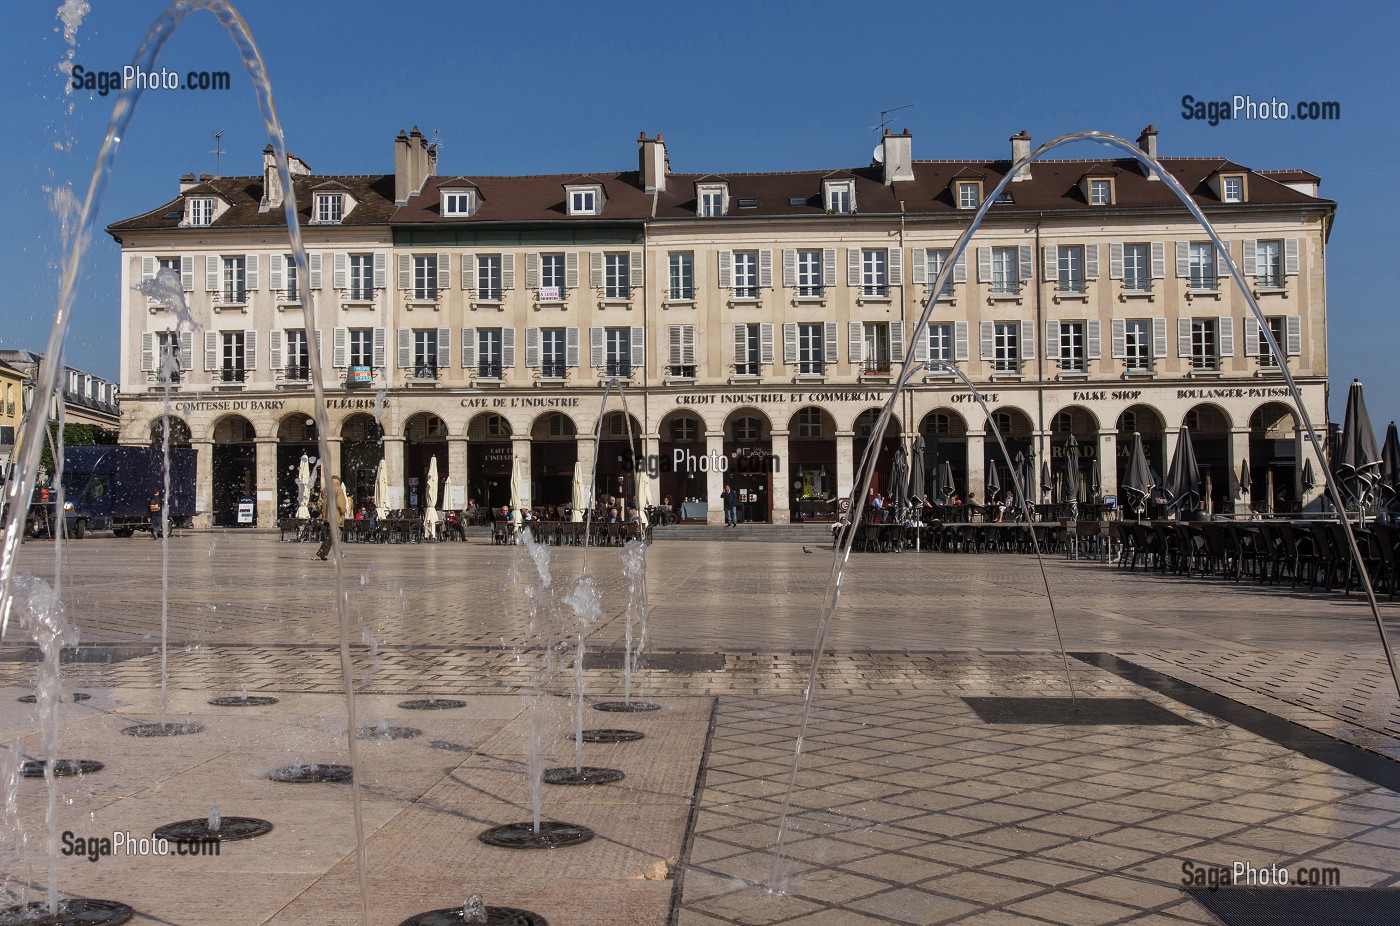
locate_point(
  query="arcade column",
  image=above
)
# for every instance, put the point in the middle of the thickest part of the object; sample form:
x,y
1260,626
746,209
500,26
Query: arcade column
x,y
976,468
203,483
1108,464
780,478
265,481
457,467
1238,453
520,456
714,479
393,463
845,463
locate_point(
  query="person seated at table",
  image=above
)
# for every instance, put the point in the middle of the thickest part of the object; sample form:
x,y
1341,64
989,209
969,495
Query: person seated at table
x,y
526,515
613,516
838,530
1001,511
634,516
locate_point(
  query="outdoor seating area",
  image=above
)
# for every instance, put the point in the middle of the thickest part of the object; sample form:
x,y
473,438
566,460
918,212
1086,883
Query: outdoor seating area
x,y
573,533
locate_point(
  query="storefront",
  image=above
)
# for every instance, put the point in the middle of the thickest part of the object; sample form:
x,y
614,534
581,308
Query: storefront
x,y
748,447
235,469
683,465
425,439
553,453
361,451
489,461
296,437
812,463
945,441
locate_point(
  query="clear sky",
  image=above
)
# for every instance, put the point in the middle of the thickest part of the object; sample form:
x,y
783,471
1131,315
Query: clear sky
x,y
734,85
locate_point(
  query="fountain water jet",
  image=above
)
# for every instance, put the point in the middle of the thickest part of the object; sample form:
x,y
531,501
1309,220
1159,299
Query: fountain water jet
x,y
831,600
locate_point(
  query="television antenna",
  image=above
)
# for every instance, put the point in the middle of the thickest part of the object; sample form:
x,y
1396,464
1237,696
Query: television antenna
x,y
218,152
884,118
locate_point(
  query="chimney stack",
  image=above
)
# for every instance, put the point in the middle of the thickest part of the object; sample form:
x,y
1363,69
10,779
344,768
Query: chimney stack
x,y
898,151
1020,148
653,163
414,162
1147,141
272,183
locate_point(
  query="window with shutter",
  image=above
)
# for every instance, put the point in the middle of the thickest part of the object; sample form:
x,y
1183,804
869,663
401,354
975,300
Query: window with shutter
x,y
508,348
250,350
276,270
211,351
830,333
381,348
595,348
789,267
988,340
1092,341
275,350
213,273
571,346
1293,335
340,348
148,352
789,343
961,338
313,262
1118,336
405,352
857,342
444,348
468,348
765,343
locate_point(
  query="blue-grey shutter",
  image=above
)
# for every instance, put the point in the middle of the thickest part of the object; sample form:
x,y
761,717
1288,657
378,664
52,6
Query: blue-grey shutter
x,y
596,347
961,351
340,348
571,347
468,348
381,348
508,348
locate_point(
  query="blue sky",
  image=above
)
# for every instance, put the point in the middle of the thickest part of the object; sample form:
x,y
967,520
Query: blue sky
x,y
564,87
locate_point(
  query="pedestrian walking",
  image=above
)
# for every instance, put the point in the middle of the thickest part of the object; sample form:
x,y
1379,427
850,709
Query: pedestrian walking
x,y
731,506
341,503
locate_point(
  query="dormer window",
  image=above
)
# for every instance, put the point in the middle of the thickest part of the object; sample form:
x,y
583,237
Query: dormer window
x,y
1232,188
840,197
459,203
969,194
1101,192
201,211
585,200
712,201
330,208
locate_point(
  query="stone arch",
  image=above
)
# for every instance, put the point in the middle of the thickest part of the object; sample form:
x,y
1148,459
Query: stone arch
x,y
179,431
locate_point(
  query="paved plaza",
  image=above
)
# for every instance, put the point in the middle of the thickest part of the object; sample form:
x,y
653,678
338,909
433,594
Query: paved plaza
x,y
1277,742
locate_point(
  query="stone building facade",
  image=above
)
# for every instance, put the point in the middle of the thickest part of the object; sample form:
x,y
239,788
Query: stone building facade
x,y
753,322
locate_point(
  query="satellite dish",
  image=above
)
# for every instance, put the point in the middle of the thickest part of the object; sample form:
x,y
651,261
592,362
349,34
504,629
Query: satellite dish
x,y
878,155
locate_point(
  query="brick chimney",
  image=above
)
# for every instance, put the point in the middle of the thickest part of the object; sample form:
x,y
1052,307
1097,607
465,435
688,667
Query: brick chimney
x,y
898,151
1020,148
1147,142
653,163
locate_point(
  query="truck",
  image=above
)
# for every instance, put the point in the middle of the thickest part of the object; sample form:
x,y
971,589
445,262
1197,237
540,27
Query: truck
x,y
121,489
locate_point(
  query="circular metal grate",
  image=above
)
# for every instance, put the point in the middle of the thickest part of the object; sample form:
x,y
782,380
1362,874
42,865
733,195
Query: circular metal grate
x,y
243,701
431,704
79,911
388,733
587,775
552,835
230,829
62,768
626,707
495,916
311,774
163,729
34,699
610,736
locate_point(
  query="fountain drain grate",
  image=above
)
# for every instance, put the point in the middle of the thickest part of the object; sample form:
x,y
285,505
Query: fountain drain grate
x,y
163,729
243,701
586,775
432,704
62,768
388,733
495,916
230,829
34,699
552,835
80,911
626,707
311,774
610,736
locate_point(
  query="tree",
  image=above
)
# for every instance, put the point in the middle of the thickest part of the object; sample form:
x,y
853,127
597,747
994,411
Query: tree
x,y
74,435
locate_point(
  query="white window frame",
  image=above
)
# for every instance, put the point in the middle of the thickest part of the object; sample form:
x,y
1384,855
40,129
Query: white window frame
x,y
1137,345
1205,344
617,275
425,351
458,203
232,357
1069,269
811,349
584,201
361,277
969,194
934,260
840,197
680,279
554,267
1265,275
360,344
1232,188
1100,192
296,363
1006,271
941,346
745,277
1073,352
809,274
1006,347
490,353
554,352
1137,267
1201,266
201,210
235,280
875,272
489,278
425,278
330,208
